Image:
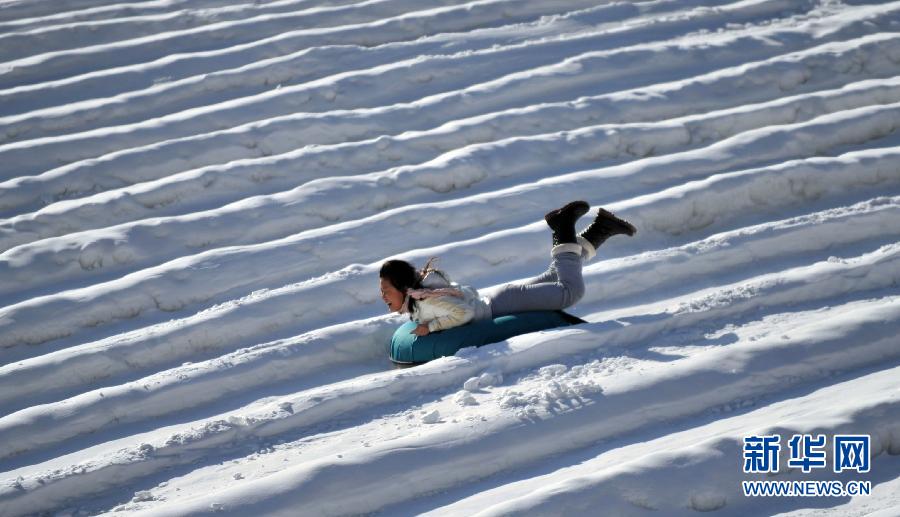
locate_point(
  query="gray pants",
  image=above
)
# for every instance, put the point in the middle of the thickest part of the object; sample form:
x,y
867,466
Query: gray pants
x,y
556,288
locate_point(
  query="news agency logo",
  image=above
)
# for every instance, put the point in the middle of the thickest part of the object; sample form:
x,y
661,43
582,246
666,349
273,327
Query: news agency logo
x,y
807,452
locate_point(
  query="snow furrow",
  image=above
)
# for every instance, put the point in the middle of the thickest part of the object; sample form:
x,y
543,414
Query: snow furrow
x,y
573,77
13,10
290,306
823,67
874,409
26,41
199,278
162,239
381,26
47,378
261,68
437,73
211,185
448,456
111,13
764,371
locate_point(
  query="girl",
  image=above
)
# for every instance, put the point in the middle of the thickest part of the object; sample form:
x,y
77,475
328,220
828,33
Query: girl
x,y
436,304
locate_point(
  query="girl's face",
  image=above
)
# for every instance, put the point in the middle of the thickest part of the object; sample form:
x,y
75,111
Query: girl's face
x,y
392,296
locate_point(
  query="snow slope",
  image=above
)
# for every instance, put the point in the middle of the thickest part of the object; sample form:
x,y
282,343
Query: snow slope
x,y
195,199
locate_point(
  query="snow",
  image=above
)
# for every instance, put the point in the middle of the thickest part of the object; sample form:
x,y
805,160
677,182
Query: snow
x,y
195,199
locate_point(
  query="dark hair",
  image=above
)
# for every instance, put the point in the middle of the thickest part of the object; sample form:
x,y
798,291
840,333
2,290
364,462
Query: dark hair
x,y
403,276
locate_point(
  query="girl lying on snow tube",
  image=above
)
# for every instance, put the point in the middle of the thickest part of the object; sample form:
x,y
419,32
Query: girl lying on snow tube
x,y
446,316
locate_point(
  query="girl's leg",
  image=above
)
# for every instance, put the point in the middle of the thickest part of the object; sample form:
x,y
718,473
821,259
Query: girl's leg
x,y
550,274
565,290
547,276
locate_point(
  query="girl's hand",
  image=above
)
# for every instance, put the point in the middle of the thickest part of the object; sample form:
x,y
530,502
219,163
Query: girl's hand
x,y
421,330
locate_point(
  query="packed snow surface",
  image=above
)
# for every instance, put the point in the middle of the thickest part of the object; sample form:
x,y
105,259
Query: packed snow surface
x,y
196,197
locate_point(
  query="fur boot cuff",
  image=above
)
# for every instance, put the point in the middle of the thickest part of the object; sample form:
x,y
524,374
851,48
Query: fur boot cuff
x,y
589,249
566,248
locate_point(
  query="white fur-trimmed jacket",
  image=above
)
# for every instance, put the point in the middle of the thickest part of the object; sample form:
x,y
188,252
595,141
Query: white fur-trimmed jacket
x,y
444,312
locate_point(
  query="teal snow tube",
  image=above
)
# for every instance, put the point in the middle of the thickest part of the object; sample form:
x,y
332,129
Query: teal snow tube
x,y
409,349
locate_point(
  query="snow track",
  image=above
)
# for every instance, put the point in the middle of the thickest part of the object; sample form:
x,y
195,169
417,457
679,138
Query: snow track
x,y
197,196
608,143
576,489
821,67
432,75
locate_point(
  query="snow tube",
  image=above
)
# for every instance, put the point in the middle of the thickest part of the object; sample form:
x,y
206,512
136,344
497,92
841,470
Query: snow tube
x,y
409,349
